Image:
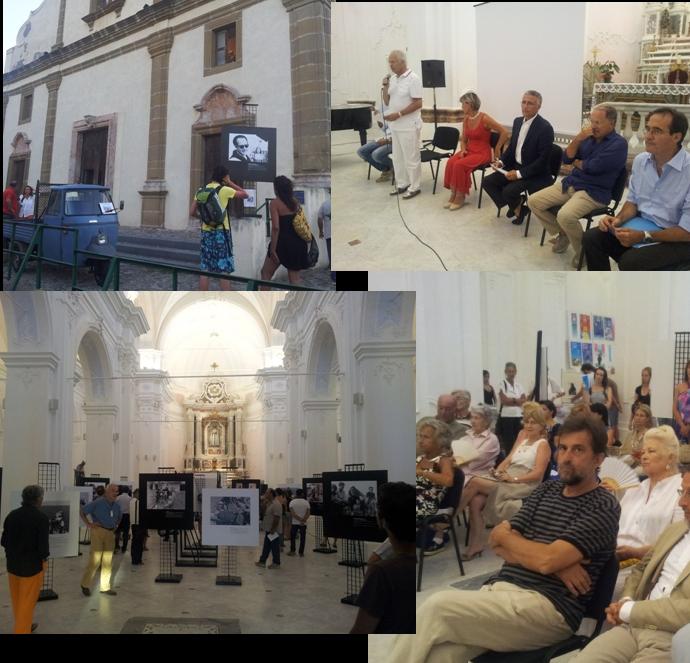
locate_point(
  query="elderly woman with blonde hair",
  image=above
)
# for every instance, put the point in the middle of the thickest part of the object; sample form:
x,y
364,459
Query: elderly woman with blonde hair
x,y
518,475
631,449
648,510
434,471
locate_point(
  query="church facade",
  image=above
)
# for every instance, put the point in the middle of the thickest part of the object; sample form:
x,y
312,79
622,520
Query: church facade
x,y
135,95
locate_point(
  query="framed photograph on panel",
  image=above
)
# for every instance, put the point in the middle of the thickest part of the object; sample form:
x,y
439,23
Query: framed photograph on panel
x,y
94,482
166,501
62,509
246,483
313,493
230,517
349,503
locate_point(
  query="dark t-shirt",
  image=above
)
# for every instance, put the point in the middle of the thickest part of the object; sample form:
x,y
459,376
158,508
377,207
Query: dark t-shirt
x,y
25,539
389,593
589,522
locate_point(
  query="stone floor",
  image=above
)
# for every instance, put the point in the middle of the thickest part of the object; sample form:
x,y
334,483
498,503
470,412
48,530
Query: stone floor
x,y
368,232
302,597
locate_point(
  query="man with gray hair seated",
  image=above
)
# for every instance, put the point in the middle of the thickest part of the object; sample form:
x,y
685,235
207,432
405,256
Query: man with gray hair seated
x,y
403,96
463,400
594,159
446,409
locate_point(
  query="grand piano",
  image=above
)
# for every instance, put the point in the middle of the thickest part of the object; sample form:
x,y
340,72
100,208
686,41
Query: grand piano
x,y
352,116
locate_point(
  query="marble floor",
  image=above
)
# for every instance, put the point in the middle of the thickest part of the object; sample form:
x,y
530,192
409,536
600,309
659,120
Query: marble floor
x,y
302,597
368,232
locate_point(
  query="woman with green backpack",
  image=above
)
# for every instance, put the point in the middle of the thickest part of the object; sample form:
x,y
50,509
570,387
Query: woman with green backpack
x,y
211,206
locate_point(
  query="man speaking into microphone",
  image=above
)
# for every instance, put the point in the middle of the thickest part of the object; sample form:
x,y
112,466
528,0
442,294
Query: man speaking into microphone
x,y
403,96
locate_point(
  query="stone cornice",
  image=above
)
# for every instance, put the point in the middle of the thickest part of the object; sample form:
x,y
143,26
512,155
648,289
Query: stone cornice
x,y
91,408
314,404
385,349
30,360
113,6
291,5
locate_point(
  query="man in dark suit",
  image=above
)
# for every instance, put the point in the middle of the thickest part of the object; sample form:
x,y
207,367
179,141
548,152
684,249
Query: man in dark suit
x,y
526,160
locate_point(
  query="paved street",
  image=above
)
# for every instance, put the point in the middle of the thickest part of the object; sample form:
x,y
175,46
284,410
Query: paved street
x,y
134,277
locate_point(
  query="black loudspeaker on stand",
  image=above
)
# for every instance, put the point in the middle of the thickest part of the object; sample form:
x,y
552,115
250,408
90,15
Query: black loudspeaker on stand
x,y
433,76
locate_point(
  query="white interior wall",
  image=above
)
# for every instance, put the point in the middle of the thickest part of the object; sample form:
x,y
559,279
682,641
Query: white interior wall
x,y
615,29
468,321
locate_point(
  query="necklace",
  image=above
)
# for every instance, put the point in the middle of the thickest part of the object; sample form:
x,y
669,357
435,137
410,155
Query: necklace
x,y
473,117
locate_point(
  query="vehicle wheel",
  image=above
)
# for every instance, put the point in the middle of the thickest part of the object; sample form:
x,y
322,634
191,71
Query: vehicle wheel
x,y
100,270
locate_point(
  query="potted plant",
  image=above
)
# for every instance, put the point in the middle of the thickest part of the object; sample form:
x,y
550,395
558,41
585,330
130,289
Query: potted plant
x,y
607,69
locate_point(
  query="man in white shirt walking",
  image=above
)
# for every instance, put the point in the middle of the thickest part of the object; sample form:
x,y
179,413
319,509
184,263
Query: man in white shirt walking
x,y
403,96
299,509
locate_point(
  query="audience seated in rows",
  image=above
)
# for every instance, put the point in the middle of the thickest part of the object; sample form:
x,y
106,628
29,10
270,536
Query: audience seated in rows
x,y
631,449
514,479
554,549
462,411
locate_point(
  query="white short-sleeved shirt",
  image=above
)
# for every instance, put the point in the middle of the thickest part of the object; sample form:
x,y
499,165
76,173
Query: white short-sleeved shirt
x,y
511,391
643,520
300,507
402,90
325,214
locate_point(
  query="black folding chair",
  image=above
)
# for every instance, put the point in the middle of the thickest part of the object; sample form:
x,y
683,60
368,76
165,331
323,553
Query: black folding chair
x,y
599,601
483,167
446,514
445,138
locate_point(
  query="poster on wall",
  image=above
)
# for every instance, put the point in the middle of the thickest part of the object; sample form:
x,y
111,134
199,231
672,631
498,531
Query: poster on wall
x,y
586,353
585,327
609,330
575,354
573,326
230,517
598,322
349,504
313,493
167,501
599,358
94,482
62,509
250,152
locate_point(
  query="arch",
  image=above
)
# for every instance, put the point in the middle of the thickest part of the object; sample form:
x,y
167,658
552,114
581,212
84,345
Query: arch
x,y
21,144
323,363
19,160
91,352
221,104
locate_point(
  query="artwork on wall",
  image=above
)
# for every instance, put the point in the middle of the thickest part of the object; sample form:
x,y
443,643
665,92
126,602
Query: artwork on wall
x,y
349,504
586,353
598,326
573,326
575,354
609,330
167,501
585,327
230,517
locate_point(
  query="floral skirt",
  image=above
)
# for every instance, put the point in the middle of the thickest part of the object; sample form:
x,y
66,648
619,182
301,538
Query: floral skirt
x,y
214,252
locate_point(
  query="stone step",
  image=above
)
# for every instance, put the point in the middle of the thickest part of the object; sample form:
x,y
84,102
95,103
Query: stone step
x,y
141,240
185,257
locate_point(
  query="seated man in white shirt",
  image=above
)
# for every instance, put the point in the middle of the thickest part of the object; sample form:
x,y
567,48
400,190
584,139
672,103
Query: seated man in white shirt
x,y
656,600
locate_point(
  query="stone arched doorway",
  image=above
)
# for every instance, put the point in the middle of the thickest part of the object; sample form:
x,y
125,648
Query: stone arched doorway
x,y
220,106
18,166
321,449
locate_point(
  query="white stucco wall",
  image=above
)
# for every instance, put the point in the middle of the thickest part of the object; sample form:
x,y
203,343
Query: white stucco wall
x,y
40,38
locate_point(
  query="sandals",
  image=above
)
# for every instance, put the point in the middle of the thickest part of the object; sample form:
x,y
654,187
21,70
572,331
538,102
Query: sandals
x,y
465,557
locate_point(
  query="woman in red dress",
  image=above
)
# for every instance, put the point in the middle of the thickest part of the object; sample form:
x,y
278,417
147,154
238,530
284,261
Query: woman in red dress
x,y
475,149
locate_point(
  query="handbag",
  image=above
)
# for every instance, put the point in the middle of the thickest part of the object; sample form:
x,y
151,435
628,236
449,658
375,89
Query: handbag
x,y
313,256
299,223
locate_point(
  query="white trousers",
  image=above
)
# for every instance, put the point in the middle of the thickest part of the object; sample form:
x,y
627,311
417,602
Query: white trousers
x,y
406,158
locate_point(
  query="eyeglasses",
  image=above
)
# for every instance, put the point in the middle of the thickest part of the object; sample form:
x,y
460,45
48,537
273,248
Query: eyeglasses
x,y
655,131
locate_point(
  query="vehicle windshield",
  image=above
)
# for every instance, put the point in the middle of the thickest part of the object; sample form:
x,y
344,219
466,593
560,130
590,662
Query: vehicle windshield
x,y
88,201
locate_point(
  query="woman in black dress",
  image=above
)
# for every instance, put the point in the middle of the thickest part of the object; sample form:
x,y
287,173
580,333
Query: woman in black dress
x,y
643,393
287,248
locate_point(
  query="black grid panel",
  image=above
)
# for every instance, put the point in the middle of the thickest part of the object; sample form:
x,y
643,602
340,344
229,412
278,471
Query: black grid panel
x,y
49,480
682,354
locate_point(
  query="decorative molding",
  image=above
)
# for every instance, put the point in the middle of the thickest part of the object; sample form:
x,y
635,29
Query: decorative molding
x,y
385,349
92,409
312,404
30,360
388,370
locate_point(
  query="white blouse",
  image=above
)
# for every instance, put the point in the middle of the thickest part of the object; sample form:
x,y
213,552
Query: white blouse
x,y
514,390
645,515
526,454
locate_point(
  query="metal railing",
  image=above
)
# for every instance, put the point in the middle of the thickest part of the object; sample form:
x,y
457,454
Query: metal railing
x,y
36,242
112,278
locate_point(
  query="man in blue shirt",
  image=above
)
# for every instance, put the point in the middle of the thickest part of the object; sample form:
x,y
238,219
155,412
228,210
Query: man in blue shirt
x,y
652,230
105,517
594,159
